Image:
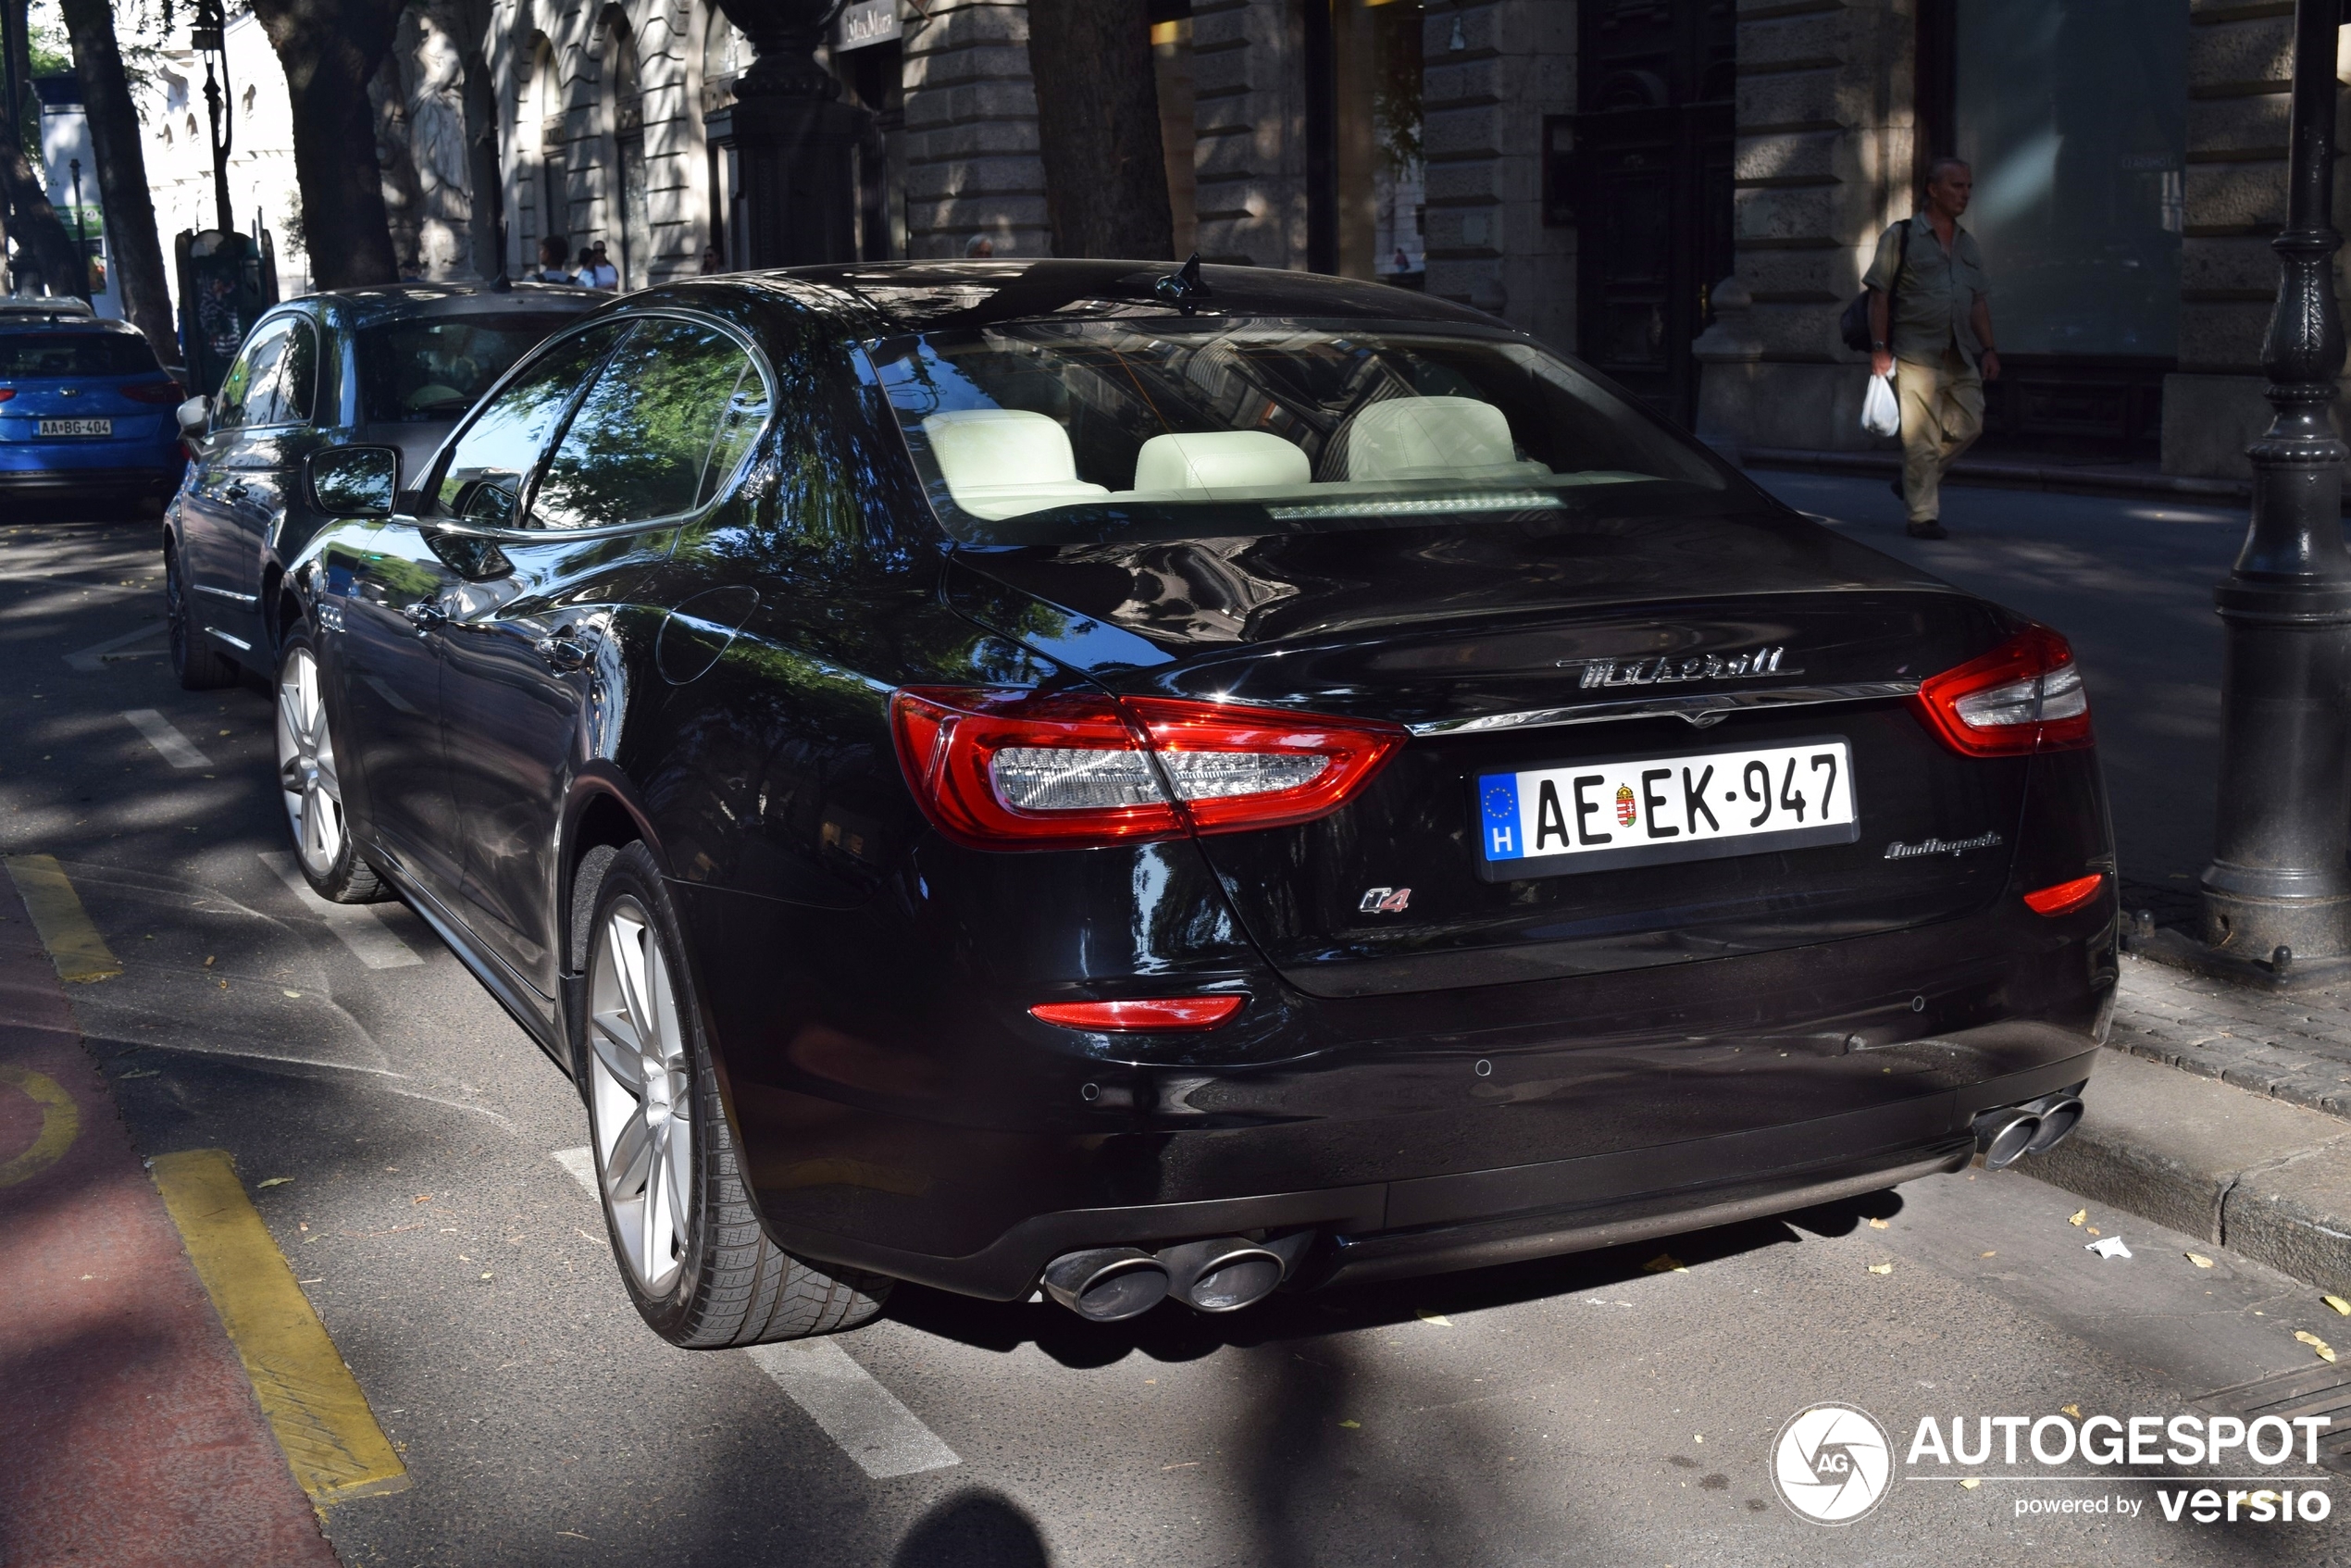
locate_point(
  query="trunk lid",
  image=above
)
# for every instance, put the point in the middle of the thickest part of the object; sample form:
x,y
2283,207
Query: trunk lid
x,y
1536,647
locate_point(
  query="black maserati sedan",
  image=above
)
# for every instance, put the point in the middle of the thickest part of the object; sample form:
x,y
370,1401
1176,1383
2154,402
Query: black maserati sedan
x,y
393,366
1064,776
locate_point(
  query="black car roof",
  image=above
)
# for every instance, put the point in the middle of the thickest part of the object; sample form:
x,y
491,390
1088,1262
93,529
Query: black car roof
x,y
396,302
915,295
69,324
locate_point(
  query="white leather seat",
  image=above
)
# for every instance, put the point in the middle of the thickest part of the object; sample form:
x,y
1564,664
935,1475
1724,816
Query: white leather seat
x,y
1003,462
1221,460
1433,438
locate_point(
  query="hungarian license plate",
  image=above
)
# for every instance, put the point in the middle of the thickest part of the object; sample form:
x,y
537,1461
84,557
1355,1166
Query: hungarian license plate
x,y
1646,810
77,427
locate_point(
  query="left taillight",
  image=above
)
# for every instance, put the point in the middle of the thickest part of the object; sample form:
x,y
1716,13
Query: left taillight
x,y
161,393
2021,697
1010,770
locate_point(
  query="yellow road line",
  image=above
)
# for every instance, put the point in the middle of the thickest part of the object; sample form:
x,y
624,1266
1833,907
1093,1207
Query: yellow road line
x,y
313,1404
60,1124
73,943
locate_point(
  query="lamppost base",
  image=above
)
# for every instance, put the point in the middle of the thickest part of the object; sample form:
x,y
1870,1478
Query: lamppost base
x,y
2177,949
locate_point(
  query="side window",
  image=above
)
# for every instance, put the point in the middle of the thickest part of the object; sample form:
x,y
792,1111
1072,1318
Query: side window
x,y
296,388
666,424
249,390
482,477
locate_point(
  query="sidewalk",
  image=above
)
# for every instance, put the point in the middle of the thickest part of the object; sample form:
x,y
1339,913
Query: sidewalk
x,y
2221,1112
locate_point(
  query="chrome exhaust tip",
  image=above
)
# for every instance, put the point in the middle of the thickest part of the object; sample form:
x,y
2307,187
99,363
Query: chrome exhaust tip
x,y
1221,1275
2005,1135
2058,1120
1107,1284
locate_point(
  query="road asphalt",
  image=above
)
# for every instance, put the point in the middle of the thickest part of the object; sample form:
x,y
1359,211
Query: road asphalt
x,y
410,1153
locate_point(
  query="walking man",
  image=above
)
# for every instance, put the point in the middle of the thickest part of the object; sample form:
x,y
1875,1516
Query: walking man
x,y
1938,342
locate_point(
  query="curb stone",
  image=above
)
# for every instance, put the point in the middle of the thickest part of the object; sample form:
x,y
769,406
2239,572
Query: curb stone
x,y
2268,1180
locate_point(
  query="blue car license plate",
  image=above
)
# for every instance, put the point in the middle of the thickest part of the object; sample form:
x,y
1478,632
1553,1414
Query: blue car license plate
x,y
1646,810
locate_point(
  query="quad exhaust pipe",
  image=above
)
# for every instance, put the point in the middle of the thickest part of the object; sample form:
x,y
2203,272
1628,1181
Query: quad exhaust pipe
x,y
2007,1135
1223,1274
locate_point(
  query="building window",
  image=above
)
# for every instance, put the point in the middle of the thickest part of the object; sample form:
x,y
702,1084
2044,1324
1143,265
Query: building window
x,y
2074,114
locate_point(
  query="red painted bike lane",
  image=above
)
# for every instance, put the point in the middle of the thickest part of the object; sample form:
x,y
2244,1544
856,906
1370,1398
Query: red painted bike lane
x,y
130,1436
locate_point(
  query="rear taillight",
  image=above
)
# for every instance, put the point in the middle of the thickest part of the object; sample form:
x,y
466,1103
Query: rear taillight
x,y
1029,770
2023,696
2064,898
157,393
1154,1012
6,393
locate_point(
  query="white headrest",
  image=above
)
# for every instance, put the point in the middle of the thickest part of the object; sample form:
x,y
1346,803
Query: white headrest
x,y
1425,438
1002,462
1221,460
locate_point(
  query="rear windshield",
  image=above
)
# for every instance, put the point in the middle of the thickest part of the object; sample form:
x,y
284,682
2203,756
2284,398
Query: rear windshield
x,y
432,369
32,355
1056,432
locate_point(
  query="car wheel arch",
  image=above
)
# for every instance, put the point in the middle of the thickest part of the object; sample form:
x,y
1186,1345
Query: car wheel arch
x,y
601,814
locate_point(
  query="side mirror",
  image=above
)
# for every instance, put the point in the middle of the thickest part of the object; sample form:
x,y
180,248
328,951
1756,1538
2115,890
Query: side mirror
x,y
195,416
354,481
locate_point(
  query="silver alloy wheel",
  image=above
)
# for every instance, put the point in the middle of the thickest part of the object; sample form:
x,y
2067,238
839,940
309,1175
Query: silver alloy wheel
x,y
642,1089
307,766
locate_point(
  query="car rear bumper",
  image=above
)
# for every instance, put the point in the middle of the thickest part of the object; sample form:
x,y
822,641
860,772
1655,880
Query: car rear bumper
x,y
1475,1219
25,474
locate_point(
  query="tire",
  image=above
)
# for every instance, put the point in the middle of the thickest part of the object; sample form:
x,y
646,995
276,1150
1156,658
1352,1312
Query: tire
x,y
310,784
199,665
690,1245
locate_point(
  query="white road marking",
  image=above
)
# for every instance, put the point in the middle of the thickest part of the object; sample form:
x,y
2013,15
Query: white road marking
x,y
175,747
94,656
581,1165
360,926
866,1419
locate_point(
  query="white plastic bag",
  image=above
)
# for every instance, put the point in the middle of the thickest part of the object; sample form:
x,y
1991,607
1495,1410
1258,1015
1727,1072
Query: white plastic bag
x,y
1881,416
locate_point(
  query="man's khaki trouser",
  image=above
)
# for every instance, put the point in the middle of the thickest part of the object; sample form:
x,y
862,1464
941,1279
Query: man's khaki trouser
x,y
1941,414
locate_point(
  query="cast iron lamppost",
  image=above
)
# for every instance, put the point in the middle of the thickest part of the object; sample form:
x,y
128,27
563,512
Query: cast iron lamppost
x,y
2279,887
785,147
208,35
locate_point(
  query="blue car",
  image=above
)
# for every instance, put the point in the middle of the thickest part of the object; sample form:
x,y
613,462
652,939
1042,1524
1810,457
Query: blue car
x,y
85,412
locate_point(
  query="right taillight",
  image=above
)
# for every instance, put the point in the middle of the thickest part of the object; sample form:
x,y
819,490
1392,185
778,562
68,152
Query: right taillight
x,y
2023,696
1017,770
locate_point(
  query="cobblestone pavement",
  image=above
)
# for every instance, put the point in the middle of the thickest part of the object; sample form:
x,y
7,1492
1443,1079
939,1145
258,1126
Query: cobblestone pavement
x,y
2294,1047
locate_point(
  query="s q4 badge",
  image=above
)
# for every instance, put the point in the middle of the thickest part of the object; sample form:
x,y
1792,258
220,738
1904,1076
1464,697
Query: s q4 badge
x,y
1385,901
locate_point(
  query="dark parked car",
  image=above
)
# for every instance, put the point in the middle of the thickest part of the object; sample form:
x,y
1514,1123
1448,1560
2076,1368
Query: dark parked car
x,y
85,409
1029,773
392,366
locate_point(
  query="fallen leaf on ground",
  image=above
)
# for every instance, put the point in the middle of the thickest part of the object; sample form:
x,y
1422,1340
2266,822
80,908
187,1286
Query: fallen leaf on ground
x,y
136,1072
2073,1410
1439,1319
2096,1231
1877,1225
1665,1263
2325,1350
2079,1216
1352,1425
421,1198
293,993
2198,1259
2338,1303
1988,1254
278,1182
1971,1483
1880,1268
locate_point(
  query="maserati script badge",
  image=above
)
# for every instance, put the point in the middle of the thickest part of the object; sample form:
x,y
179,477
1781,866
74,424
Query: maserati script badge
x,y
1661,671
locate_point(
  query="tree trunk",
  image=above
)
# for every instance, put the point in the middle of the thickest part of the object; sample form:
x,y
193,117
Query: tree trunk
x,y
329,50
1098,129
131,236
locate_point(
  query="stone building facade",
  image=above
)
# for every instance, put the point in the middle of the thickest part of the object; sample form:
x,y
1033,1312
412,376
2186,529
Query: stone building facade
x,y
1683,192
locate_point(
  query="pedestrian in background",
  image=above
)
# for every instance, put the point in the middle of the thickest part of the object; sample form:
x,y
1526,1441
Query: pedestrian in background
x,y
1938,344
551,261
597,270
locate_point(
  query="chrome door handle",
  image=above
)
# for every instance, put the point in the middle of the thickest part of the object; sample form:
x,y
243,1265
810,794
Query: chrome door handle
x,y
425,613
563,654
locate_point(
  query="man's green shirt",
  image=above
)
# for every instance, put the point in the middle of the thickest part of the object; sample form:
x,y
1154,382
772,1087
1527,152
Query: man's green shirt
x,y
1938,290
